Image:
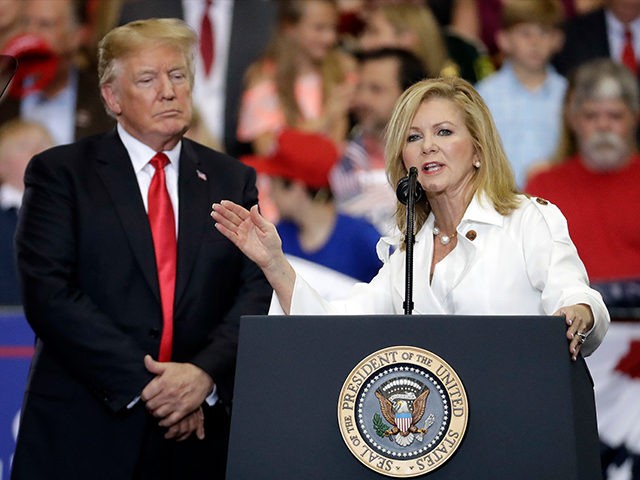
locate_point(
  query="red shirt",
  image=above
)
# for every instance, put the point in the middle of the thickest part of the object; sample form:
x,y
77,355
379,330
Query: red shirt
x,y
603,213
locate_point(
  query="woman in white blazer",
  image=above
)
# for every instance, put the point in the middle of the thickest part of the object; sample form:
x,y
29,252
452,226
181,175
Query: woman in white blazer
x,y
481,246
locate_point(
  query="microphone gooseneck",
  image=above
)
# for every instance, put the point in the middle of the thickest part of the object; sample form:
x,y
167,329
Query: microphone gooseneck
x,y
408,192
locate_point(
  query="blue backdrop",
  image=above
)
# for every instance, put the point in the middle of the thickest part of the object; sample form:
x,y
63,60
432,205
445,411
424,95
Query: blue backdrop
x,y
16,349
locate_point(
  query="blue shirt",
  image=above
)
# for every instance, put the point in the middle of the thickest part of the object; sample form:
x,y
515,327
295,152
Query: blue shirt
x,y
350,249
529,122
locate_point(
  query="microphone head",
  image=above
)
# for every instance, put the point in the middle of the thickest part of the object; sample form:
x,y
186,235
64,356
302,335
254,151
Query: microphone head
x,y
402,190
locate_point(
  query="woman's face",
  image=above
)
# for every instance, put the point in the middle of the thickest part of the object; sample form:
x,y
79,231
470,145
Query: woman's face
x,y
440,146
316,32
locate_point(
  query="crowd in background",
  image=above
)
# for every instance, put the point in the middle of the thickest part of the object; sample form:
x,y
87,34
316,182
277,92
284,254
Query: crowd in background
x,y
303,89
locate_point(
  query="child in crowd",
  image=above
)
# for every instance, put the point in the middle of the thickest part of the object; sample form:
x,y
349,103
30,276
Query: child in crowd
x,y
303,81
525,96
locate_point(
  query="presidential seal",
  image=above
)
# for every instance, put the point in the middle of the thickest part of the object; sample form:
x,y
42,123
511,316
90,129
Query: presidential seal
x,y
403,411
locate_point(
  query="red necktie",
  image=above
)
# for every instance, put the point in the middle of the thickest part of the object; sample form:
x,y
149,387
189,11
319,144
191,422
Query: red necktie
x,y
163,231
207,40
628,54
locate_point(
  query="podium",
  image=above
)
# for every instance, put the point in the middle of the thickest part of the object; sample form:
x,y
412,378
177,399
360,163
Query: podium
x,y
531,412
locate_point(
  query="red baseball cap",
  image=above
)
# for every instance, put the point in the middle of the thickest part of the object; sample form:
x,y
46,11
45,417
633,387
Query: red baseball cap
x,y
304,156
35,59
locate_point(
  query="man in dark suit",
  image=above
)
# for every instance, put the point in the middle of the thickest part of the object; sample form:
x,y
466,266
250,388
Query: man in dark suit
x,y
96,279
599,33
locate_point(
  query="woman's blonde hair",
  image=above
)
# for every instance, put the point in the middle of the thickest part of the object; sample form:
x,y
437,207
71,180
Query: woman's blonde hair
x,y
134,36
494,178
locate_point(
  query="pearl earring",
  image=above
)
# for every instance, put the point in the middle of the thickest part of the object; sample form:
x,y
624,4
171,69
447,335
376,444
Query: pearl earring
x,y
476,164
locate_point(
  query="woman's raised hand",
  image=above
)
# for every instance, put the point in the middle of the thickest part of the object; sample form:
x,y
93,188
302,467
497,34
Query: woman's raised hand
x,y
258,239
255,236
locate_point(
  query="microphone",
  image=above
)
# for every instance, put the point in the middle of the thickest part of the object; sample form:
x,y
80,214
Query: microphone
x,y
409,183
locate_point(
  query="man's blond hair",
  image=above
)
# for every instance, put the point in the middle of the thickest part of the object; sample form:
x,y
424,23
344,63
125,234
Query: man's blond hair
x,y
134,36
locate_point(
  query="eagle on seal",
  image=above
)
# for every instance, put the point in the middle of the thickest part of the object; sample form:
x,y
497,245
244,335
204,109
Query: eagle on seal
x,y
403,418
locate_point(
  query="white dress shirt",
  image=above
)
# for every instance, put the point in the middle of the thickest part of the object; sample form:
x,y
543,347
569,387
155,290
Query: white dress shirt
x,y
140,155
10,197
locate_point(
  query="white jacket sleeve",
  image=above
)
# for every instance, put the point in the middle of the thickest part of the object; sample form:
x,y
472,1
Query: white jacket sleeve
x,y
554,267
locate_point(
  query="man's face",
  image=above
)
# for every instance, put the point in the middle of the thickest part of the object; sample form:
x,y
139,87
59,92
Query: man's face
x,y
151,95
605,132
54,22
376,94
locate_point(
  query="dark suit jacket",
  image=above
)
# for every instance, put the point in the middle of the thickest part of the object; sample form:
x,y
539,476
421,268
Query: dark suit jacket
x,y
585,39
86,262
9,291
91,116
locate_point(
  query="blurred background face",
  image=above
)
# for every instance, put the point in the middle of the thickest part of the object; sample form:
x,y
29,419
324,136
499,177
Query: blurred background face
x,y
18,150
316,32
286,195
625,10
379,33
53,20
9,14
529,44
376,94
605,132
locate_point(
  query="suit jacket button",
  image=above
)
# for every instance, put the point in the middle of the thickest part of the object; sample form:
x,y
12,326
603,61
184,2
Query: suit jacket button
x,y
471,235
154,333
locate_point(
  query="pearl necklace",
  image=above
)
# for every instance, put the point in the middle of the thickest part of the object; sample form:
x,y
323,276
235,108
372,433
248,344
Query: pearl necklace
x,y
444,239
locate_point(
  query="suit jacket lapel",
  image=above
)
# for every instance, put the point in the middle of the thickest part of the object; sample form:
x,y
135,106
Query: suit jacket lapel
x,y
116,171
194,215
